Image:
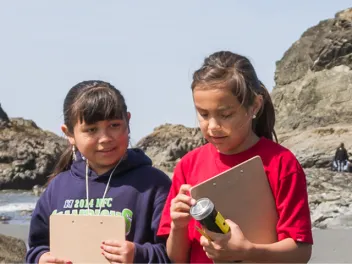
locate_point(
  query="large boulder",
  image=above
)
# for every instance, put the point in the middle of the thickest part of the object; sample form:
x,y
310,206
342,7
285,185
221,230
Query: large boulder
x,y
12,250
313,92
168,143
27,154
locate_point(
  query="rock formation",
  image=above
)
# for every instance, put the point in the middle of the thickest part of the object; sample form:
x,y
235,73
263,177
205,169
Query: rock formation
x,y
12,250
27,153
168,143
4,119
313,101
313,92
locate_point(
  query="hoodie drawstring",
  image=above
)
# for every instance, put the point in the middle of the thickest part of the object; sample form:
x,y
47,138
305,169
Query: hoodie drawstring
x,y
107,185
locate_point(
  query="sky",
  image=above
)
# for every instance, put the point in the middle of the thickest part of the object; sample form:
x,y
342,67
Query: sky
x,y
147,49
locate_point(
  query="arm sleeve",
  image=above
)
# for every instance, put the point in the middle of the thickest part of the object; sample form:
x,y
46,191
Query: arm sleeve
x,y
177,180
154,252
38,240
345,154
293,208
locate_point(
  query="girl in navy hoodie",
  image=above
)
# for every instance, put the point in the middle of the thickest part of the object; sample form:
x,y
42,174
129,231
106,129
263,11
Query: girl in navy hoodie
x,y
120,181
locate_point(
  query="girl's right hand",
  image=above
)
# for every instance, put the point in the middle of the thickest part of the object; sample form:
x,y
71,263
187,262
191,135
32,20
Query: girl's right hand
x,y
180,207
47,258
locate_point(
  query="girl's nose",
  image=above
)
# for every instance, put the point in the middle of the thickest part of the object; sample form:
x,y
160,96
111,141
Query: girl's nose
x,y
105,137
213,124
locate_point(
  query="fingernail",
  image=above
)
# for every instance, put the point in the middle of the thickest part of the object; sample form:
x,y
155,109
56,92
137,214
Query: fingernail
x,y
69,262
102,253
103,242
193,201
101,247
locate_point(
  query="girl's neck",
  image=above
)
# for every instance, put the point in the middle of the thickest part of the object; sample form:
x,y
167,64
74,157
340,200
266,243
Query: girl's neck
x,y
248,142
100,170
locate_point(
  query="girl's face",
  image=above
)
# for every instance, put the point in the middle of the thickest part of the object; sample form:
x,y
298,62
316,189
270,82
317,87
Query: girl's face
x,y
224,122
103,143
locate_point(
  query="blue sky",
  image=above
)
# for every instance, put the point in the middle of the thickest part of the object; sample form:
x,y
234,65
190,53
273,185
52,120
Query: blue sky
x,y
147,49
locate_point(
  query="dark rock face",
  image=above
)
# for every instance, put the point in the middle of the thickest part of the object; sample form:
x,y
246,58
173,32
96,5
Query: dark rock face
x,y
27,154
323,46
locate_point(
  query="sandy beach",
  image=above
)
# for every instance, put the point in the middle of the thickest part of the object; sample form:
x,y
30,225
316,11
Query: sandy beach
x,y
330,246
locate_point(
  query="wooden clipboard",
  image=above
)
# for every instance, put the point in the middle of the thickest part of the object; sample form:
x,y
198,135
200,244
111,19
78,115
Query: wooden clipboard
x,y
78,237
243,195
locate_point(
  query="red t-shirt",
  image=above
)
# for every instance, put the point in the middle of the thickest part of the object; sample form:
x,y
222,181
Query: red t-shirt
x,y
285,175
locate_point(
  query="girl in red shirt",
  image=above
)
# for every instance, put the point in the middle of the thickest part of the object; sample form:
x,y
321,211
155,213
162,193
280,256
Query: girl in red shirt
x,y
237,118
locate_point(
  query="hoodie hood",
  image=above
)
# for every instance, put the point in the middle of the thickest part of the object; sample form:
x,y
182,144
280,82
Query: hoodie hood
x,y
134,158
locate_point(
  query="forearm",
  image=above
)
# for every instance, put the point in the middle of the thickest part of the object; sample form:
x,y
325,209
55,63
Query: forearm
x,y
178,245
286,250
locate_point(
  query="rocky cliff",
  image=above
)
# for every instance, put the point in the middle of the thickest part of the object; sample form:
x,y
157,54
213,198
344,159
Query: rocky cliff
x,y
313,92
27,153
313,101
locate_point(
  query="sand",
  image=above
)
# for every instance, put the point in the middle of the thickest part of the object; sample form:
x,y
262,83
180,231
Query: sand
x,y
330,246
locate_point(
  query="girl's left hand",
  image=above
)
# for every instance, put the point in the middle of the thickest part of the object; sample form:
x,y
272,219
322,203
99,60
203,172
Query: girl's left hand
x,y
118,252
227,247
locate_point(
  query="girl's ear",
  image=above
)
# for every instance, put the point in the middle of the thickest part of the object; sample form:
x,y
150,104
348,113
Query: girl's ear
x,y
258,104
69,136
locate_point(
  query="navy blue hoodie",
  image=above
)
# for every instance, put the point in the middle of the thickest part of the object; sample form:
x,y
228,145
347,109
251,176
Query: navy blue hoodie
x,y
137,191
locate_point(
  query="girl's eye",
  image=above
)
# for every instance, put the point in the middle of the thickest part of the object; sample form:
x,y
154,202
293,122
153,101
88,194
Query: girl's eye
x,y
91,130
115,125
226,116
203,115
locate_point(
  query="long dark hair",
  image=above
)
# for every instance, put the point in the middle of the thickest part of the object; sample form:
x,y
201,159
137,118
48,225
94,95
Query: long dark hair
x,y
89,102
239,75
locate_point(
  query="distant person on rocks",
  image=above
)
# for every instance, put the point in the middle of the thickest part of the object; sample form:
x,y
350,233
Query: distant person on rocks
x,y
237,118
96,123
341,157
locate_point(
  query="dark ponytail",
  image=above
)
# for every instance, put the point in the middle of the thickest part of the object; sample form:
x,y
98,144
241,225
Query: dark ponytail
x,y
64,163
264,124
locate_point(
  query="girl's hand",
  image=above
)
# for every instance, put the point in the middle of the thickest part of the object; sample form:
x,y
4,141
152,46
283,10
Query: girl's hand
x,y
180,206
227,247
47,258
118,252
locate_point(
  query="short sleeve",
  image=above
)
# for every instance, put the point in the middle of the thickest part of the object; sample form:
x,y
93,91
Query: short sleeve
x,y
178,179
293,208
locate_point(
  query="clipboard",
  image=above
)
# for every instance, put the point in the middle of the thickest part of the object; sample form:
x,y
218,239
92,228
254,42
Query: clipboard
x,y
78,237
243,195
